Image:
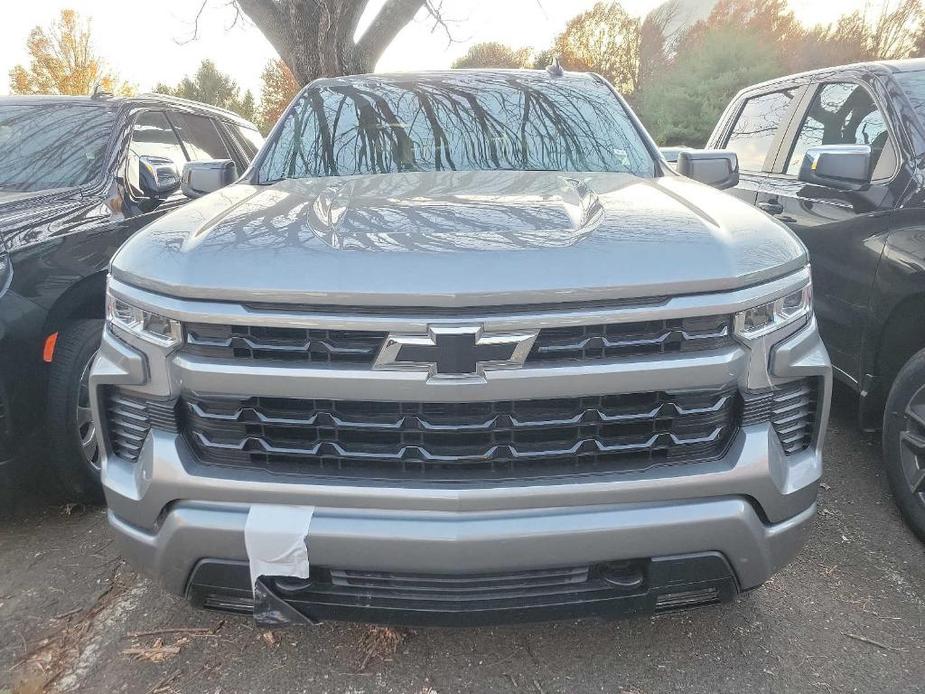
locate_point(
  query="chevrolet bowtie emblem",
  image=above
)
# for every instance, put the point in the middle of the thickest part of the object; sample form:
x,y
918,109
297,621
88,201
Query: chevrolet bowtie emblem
x,y
455,351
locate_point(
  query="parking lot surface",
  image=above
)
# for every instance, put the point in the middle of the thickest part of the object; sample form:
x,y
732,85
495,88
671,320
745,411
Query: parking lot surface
x,y
847,616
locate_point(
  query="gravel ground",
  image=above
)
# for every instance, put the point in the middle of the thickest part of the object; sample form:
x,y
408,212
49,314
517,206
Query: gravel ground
x,y
847,616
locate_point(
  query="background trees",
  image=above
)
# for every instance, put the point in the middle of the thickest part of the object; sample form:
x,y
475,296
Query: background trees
x,y
279,88
212,86
496,55
606,40
62,60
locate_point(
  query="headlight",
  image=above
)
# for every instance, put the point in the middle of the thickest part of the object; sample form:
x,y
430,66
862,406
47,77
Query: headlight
x,y
162,331
760,320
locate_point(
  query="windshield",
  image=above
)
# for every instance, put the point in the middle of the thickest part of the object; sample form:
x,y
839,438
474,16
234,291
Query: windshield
x,y
44,146
913,84
490,121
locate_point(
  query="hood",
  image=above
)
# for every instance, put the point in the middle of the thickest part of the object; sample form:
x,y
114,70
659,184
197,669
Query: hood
x,y
450,239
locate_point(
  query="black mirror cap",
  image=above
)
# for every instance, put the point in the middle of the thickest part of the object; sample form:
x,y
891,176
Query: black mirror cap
x,y
717,168
844,167
158,177
204,177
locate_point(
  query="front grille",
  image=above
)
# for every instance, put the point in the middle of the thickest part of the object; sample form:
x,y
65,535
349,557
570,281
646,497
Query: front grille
x,y
791,409
359,348
129,419
311,346
461,441
587,342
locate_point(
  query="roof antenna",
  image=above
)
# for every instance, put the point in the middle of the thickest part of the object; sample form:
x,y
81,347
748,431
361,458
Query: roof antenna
x,y
99,92
554,69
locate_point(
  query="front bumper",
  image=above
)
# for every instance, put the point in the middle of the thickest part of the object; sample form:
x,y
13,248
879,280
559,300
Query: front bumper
x,y
753,507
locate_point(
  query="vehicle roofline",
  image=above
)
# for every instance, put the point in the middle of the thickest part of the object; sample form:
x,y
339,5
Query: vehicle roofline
x,y
878,67
154,97
127,101
448,72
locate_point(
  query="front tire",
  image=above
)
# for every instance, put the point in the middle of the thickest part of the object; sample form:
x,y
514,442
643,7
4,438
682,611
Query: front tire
x,y
904,442
73,448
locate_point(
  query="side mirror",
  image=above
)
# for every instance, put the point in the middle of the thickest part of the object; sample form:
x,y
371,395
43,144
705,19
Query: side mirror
x,y
845,167
204,177
717,168
158,177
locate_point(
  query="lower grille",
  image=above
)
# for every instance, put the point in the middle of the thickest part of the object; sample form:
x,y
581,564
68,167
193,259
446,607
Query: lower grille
x,y
129,419
602,589
461,441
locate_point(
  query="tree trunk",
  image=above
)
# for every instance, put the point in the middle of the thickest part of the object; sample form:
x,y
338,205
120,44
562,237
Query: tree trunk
x,y
316,37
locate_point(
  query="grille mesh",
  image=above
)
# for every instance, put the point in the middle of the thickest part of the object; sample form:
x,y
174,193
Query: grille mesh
x,y
461,441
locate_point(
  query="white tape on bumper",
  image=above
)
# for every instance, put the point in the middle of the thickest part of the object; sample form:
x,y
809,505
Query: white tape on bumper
x,y
276,539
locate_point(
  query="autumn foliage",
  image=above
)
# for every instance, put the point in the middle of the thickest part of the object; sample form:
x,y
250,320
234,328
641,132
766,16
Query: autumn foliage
x,y
62,60
279,86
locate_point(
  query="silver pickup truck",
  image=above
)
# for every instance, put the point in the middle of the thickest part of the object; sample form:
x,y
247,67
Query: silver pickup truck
x,y
460,348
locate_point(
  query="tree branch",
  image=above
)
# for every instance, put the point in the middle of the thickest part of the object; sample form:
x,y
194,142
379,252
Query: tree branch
x,y
392,18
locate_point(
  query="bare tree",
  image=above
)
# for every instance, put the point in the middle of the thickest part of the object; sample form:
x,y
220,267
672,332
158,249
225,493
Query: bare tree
x,y
317,38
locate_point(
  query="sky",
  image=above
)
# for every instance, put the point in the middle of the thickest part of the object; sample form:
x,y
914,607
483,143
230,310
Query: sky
x,y
150,42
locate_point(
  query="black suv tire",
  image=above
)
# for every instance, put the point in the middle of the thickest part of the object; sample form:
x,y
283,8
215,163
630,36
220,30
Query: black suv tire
x,y
74,455
904,442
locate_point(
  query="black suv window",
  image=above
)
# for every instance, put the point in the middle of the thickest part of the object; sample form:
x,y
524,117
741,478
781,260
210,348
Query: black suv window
x,y
152,136
468,122
840,114
200,137
52,145
754,131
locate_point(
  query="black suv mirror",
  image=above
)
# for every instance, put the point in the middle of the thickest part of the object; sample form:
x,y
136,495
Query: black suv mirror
x,y
845,167
204,177
158,177
717,168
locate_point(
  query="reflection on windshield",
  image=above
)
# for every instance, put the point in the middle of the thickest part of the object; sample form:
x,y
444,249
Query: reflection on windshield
x,y
55,145
518,121
913,83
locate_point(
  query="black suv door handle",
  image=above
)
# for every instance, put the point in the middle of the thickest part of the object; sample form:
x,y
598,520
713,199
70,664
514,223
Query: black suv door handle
x,y
771,207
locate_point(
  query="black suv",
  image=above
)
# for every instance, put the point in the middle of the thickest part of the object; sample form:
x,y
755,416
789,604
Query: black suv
x,y
78,176
838,155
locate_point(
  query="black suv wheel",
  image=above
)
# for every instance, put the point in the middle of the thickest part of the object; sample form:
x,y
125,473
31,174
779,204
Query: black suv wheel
x,y
904,442
74,451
